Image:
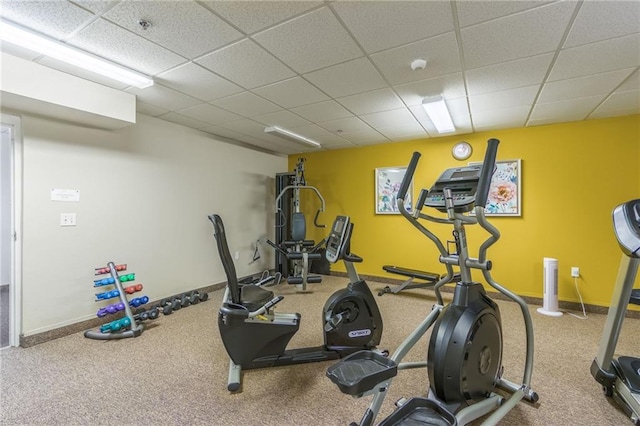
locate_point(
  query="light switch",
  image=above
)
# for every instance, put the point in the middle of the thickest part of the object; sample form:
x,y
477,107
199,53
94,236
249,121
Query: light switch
x,y
67,219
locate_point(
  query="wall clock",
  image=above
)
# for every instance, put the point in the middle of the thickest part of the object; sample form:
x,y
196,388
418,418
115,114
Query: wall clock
x,y
461,150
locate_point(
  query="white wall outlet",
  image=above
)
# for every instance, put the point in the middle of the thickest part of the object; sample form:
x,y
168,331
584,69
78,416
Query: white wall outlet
x,y
575,271
67,219
236,255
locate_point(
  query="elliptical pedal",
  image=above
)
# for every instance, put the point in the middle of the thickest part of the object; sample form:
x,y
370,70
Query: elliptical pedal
x,y
420,411
360,372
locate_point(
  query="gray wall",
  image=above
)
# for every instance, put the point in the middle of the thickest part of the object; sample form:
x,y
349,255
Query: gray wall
x,y
145,193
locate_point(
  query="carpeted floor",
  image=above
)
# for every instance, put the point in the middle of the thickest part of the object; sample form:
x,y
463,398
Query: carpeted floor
x,y
176,371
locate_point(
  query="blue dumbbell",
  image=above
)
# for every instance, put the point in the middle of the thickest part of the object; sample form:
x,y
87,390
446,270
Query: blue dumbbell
x,y
138,301
104,281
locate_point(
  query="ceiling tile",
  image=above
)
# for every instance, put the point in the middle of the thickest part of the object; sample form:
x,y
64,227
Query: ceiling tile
x,y
246,104
597,84
209,114
508,75
404,133
345,125
398,117
379,25
95,6
631,83
441,53
369,136
251,128
252,16
621,101
198,82
449,86
183,27
504,99
608,55
595,19
349,78
184,121
322,111
284,119
312,41
238,64
500,118
121,46
56,19
517,36
148,109
318,134
475,12
164,97
291,93
566,110
374,101
231,134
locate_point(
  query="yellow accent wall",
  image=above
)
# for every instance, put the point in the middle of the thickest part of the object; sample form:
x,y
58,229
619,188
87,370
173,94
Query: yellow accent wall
x,y
573,175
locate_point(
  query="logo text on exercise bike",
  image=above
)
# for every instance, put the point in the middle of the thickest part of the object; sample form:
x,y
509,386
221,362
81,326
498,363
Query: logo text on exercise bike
x,y
359,333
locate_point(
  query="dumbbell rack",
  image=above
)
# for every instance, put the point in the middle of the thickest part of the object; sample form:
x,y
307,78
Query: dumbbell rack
x,y
135,327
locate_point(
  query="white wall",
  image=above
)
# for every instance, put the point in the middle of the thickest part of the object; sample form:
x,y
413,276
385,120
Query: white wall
x,y
145,193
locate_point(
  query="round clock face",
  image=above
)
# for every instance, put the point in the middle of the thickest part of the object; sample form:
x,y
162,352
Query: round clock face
x,y
461,151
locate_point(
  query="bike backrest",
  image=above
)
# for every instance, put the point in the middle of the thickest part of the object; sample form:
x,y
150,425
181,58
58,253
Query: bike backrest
x,y
225,257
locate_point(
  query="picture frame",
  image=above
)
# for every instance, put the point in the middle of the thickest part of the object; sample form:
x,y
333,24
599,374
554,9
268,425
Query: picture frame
x,y
387,185
505,190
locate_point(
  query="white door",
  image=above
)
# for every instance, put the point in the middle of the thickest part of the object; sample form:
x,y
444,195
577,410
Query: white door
x,y
10,197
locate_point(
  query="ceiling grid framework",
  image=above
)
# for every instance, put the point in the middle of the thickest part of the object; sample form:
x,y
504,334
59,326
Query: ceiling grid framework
x,y
339,72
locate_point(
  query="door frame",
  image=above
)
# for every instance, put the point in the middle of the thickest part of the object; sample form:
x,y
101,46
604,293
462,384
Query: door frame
x,y
15,286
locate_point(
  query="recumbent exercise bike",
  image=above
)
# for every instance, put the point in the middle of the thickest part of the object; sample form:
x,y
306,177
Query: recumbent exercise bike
x,y
464,360
256,337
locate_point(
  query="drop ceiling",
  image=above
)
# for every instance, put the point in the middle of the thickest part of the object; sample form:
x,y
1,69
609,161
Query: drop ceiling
x,y
339,72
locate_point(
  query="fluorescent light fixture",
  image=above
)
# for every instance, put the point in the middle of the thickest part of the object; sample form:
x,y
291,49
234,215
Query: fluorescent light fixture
x,y
439,114
14,34
288,134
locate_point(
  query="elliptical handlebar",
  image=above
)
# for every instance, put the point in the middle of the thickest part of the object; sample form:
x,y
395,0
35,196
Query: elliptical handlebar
x,y
408,176
488,166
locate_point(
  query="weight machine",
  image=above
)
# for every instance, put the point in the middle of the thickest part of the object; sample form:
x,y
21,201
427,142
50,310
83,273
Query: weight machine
x,y
294,253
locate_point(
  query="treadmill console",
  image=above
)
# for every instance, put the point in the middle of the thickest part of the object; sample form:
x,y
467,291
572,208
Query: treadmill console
x,y
626,224
337,238
463,183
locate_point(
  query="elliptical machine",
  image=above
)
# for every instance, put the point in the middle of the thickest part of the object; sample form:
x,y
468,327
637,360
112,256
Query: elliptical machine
x,y
464,360
256,337
620,377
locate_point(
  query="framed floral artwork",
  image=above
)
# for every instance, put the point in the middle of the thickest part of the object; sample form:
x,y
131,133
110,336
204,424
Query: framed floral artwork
x,y
505,190
388,180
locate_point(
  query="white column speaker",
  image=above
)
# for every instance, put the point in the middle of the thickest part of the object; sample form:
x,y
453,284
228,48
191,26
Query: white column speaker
x,y
550,282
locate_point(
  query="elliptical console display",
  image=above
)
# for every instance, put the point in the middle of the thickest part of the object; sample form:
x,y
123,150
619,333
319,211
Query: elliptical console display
x,y
463,183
